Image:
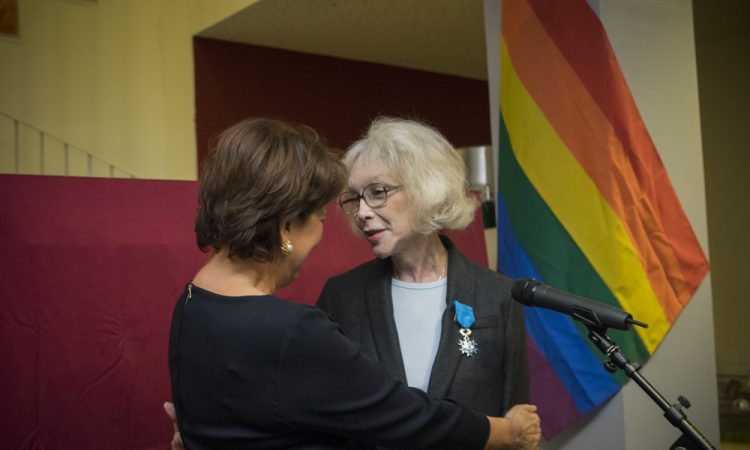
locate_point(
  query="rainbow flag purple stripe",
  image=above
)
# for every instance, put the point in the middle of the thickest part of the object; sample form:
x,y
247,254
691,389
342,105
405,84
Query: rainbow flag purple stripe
x,y
584,202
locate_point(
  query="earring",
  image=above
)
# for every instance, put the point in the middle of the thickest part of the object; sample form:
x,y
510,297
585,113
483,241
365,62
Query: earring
x,y
287,247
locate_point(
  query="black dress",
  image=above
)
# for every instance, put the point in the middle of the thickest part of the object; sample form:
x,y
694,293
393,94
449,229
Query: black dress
x,y
260,372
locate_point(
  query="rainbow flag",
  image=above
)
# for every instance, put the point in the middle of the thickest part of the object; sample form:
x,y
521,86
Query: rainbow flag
x,y
585,204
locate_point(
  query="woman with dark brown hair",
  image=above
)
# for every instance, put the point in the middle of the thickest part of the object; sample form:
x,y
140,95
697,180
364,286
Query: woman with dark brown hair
x,y
250,370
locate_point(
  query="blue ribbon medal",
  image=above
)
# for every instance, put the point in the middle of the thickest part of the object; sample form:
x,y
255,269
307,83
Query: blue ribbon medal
x,y
465,319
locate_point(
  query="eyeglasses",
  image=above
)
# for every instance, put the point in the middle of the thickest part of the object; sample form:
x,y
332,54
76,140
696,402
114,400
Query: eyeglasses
x,y
374,195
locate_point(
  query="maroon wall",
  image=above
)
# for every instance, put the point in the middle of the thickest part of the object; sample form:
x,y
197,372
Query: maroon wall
x,y
337,97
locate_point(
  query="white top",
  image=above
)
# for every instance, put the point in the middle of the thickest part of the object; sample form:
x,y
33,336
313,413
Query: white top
x,y
418,310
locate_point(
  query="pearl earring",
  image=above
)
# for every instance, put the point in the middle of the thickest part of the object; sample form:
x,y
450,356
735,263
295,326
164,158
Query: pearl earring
x,y
287,247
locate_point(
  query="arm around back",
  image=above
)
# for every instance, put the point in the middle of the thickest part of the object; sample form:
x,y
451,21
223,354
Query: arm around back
x,y
327,385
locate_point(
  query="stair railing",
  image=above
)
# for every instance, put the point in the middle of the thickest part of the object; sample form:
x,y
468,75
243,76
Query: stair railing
x,y
44,138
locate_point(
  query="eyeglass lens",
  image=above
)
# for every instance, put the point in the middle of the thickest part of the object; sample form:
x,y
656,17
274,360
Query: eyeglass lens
x,y
374,195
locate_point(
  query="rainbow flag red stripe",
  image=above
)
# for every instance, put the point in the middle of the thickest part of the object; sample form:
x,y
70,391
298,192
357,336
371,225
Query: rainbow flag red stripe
x,y
585,203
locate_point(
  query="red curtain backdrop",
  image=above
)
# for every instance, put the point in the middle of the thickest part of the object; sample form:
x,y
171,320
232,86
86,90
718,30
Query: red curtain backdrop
x,y
91,269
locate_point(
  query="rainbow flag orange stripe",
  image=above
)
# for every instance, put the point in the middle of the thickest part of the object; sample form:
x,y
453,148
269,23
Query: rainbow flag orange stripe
x,y
585,203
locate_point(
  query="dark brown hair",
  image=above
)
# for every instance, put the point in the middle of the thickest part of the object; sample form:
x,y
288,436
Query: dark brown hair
x,y
261,173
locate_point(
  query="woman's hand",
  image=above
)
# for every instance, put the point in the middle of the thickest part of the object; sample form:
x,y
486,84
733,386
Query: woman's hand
x,y
520,429
525,426
176,438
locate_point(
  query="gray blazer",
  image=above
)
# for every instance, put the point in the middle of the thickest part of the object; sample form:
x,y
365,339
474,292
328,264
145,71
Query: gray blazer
x,y
492,381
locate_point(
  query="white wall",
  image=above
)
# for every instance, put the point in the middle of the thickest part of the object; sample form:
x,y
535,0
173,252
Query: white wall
x,y
654,44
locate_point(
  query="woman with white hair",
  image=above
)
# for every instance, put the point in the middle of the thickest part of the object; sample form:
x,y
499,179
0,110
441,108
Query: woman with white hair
x,y
436,320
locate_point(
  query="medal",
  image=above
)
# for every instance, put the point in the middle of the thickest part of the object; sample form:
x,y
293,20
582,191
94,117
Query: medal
x,y
465,318
467,345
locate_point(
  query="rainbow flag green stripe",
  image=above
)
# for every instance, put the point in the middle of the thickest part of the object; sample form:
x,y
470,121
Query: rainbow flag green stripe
x,y
585,203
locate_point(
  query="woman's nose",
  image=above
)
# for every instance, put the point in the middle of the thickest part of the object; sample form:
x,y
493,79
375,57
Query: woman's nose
x,y
364,210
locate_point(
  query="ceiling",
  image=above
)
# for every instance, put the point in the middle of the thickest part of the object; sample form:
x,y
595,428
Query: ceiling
x,y
442,36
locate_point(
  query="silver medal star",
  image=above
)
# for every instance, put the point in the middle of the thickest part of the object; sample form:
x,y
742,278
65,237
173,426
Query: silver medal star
x,y
467,346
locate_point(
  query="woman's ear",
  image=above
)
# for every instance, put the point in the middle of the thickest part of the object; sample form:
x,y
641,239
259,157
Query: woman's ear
x,y
284,229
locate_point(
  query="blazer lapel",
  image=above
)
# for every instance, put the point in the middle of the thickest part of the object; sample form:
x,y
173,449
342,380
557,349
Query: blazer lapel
x,y
380,312
462,289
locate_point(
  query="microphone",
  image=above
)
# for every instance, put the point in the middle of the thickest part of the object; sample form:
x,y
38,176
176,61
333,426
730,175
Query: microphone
x,y
533,293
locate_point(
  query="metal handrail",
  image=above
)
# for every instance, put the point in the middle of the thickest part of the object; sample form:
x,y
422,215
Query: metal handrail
x,y
44,136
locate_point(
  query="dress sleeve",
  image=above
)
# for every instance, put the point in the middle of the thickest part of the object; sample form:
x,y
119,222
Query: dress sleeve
x,y
327,385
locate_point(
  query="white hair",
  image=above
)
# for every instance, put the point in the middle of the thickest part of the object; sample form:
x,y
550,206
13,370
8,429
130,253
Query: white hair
x,y
432,173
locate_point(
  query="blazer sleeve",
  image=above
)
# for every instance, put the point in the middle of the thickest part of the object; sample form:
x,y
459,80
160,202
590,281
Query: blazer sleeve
x,y
327,385
516,379
324,300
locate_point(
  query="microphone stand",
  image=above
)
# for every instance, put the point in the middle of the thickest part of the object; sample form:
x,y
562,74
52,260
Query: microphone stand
x,y
691,438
